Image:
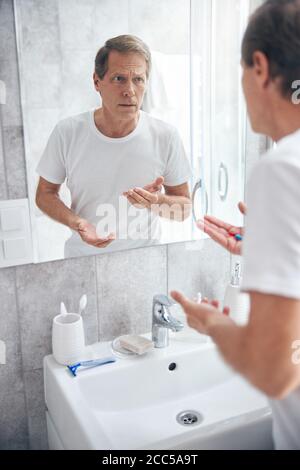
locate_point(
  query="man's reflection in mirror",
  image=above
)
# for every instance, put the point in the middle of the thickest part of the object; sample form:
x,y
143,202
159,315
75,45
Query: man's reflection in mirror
x,y
124,168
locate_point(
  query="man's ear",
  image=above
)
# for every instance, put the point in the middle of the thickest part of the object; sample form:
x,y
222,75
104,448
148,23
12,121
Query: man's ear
x,y
262,69
96,80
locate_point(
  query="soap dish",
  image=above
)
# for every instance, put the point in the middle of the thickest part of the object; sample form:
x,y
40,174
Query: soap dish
x,y
119,351
131,345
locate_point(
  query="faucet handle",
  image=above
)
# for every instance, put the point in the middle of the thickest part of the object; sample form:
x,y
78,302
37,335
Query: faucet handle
x,y
162,320
163,300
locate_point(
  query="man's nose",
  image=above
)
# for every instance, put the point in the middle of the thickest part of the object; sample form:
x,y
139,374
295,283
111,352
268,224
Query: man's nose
x,y
129,90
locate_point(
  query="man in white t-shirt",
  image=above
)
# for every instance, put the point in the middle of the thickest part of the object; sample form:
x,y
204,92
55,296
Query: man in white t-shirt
x,y
267,350
116,159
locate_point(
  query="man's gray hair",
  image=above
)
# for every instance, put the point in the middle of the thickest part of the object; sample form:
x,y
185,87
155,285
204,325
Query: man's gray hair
x,y
274,29
125,44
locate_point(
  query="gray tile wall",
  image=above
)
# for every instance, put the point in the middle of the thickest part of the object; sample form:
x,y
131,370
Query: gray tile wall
x,y
12,167
119,286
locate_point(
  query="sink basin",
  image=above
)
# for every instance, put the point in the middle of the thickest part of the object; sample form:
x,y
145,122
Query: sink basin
x,y
134,403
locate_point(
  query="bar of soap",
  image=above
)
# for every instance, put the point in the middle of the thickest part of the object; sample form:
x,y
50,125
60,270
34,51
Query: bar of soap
x,y
136,344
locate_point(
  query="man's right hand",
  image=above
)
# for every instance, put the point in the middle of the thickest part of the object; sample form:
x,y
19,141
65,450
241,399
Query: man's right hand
x,y
89,235
223,233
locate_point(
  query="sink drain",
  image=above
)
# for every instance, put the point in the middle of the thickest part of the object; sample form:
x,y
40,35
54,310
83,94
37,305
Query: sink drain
x,y
189,418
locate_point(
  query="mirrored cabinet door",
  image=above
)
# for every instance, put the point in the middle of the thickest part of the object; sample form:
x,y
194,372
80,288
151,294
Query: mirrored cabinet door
x,y
228,109
219,111
195,86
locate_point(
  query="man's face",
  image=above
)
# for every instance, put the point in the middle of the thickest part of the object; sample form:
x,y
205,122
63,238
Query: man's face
x,y
248,83
124,84
260,93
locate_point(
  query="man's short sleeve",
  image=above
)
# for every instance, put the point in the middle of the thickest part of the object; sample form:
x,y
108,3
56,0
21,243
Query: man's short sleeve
x,y
271,246
178,170
52,165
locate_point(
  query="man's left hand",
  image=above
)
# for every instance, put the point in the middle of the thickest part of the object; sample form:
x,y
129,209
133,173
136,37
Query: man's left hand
x,y
147,196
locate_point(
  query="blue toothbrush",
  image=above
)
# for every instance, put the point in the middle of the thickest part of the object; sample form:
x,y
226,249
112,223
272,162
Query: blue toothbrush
x,y
89,364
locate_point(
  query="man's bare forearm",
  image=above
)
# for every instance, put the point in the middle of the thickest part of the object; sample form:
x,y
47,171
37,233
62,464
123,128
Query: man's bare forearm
x,y
242,353
231,340
53,206
251,357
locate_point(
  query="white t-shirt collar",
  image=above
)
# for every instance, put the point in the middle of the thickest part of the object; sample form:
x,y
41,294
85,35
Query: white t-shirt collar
x,y
114,140
288,137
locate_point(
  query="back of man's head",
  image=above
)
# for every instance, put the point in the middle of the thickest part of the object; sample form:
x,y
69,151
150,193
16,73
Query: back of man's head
x,y
274,29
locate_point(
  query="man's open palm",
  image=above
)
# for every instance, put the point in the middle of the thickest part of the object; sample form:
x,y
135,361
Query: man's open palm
x,y
222,232
89,235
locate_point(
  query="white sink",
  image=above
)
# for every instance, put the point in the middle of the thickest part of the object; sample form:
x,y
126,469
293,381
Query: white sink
x,y
133,403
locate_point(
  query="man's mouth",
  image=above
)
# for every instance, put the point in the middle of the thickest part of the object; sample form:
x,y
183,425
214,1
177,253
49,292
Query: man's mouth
x,y
128,105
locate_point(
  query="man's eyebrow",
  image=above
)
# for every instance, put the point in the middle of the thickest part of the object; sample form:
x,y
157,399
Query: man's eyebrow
x,y
124,74
117,73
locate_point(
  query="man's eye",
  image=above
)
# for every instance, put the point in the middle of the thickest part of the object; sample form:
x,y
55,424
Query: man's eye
x,y
118,78
139,79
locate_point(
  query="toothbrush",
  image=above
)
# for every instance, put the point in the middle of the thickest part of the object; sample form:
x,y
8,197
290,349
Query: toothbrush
x,y
82,304
63,310
89,364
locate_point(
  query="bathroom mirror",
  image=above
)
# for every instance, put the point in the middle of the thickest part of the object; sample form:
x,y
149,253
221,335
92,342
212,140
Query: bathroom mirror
x,y
194,86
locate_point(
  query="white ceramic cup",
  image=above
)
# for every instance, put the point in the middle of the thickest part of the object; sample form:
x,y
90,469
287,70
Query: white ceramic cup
x,y
68,338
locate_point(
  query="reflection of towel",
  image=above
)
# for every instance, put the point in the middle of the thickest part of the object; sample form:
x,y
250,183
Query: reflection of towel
x,y
168,84
156,95
168,94
2,92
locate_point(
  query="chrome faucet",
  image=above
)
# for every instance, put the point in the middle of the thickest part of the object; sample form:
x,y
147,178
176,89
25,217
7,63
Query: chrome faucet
x,y
162,321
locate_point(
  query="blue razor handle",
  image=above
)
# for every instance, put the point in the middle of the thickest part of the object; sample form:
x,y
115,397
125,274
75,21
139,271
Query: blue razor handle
x,y
89,364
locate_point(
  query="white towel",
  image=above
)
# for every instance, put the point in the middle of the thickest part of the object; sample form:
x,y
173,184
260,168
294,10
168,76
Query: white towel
x,y
168,87
2,92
